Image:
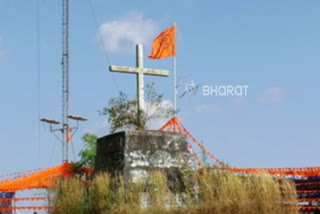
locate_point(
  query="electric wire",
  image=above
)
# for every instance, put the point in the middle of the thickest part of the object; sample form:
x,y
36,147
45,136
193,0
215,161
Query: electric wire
x,y
59,139
102,43
53,152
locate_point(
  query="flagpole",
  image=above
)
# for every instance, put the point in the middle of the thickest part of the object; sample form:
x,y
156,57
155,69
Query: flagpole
x,y
175,82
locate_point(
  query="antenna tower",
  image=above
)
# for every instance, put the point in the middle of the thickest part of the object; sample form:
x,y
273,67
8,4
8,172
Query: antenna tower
x,y
65,79
65,129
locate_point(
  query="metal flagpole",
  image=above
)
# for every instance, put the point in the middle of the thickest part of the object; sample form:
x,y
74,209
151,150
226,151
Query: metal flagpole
x,y
175,81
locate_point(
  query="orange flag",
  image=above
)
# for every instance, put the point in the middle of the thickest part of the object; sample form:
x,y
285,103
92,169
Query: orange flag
x,y
164,45
69,138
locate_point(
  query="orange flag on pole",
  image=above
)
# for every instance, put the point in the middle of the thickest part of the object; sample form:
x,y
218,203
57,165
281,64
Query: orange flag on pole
x,y
69,137
164,45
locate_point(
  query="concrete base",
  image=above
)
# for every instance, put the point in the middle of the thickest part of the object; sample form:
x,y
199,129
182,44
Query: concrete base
x,y
133,154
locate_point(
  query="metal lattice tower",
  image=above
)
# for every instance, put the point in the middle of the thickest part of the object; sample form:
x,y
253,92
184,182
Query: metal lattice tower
x,y
65,129
65,79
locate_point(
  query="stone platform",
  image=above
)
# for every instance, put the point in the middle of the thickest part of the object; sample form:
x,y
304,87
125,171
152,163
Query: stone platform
x,y
133,154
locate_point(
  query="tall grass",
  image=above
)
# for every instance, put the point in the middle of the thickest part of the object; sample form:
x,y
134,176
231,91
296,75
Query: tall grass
x,y
214,193
70,197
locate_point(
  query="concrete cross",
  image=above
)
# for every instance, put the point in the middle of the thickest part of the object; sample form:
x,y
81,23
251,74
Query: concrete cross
x,y
140,71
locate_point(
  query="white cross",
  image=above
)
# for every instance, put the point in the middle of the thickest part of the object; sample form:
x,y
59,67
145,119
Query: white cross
x,y
140,71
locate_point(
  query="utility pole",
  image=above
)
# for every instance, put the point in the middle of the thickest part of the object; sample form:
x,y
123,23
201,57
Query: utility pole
x,y
65,129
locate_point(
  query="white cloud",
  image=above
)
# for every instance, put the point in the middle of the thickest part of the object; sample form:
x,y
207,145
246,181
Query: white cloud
x,y
2,51
121,36
272,95
212,108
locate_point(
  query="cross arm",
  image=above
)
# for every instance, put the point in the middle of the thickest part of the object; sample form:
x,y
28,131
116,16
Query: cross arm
x,y
155,72
123,69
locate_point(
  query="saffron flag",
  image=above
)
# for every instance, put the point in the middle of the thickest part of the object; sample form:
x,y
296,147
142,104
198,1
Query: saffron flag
x,y
164,45
69,137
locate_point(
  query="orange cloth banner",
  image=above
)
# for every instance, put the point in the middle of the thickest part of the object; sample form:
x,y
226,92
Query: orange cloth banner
x,y
164,45
45,179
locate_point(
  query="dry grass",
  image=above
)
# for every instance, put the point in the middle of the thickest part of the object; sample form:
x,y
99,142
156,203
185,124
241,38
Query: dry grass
x,y
214,193
70,197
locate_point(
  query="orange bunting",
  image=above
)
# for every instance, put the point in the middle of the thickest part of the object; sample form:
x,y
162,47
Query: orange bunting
x,y
45,179
280,172
309,208
200,164
308,184
41,180
309,189
17,175
164,45
177,125
23,199
8,209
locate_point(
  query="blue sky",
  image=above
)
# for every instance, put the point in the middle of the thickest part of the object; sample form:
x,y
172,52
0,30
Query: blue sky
x,y
271,46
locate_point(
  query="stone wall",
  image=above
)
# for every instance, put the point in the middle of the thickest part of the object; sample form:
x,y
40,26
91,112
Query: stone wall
x,y
134,154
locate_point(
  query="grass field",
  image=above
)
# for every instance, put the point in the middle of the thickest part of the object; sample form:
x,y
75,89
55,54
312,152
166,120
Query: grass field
x,y
214,193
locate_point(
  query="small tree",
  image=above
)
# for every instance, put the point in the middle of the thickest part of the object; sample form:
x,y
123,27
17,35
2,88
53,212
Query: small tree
x,y
89,151
123,112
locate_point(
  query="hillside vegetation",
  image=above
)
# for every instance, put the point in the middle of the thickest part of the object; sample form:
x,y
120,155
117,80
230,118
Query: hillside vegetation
x,y
214,193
